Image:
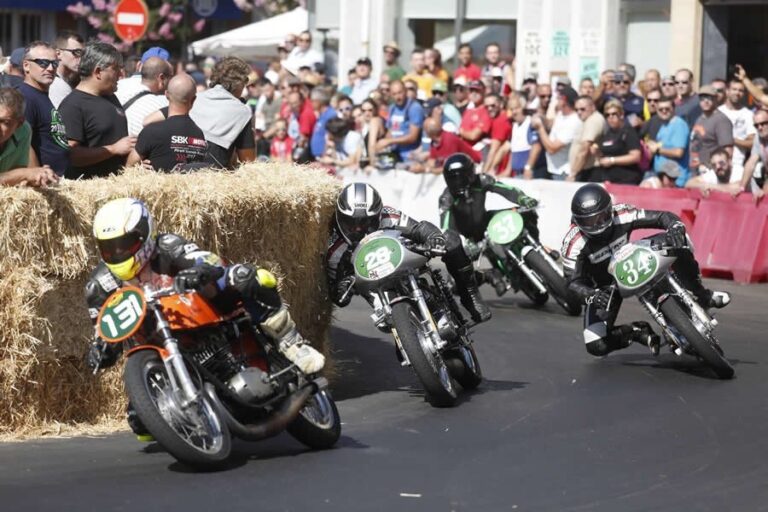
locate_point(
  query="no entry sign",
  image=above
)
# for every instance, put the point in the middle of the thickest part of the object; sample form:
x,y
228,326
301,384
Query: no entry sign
x,y
131,19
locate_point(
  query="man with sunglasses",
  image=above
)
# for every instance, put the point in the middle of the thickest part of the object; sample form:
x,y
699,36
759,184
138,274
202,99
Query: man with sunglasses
x,y
460,96
743,124
651,127
668,146
712,130
392,67
364,84
688,107
69,50
632,103
49,138
501,131
668,88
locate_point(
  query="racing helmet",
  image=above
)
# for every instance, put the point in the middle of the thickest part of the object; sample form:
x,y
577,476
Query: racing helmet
x,y
124,233
592,210
459,174
358,211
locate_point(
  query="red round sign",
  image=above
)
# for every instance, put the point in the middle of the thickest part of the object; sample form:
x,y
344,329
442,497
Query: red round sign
x,y
131,19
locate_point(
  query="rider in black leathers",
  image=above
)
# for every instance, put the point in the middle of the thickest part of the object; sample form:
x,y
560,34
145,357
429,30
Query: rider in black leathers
x,y
462,208
599,229
360,211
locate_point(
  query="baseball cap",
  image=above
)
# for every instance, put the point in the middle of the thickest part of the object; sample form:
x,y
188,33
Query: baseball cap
x,y
707,90
476,84
155,51
393,45
564,80
17,56
365,61
530,77
462,81
670,168
439,86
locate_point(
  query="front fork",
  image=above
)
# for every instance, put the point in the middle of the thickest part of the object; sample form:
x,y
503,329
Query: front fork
x,y
544,254
525,269
429,322
183,387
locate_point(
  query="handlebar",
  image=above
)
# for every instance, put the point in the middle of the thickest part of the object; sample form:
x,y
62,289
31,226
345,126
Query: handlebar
x,y
425,249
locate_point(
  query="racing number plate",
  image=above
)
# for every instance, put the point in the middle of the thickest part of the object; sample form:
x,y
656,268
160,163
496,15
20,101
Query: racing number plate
x,y
636,268
505,227
122,314
378,258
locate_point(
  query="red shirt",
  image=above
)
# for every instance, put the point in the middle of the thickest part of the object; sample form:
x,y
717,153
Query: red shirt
x,y
476,118
281,149
307,119
471,72
449,144
501,128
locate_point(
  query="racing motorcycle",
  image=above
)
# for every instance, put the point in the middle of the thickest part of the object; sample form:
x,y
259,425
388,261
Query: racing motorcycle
x,y
413,302
642,269
525,264
196,378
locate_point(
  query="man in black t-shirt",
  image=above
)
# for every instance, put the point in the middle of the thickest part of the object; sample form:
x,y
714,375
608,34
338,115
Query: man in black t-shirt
x,y
94,119
177,142
49,139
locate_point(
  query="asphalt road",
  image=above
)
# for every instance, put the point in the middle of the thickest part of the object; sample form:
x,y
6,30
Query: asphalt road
x,y
552,428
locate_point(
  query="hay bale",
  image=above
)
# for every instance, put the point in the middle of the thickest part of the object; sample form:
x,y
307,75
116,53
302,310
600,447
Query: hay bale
x,y
273,215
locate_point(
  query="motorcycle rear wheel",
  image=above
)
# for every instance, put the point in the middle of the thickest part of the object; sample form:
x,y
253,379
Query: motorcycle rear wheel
x,y
555,283
197,436
318,425
705,348
430,368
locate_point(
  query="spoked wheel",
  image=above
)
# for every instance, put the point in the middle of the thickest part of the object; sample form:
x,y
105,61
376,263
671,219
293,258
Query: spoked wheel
x,y
708,350
464,366
555,283
318,425
426,362
195,435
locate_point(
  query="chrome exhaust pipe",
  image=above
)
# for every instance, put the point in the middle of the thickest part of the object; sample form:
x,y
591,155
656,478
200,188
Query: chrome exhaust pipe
x,y
267,427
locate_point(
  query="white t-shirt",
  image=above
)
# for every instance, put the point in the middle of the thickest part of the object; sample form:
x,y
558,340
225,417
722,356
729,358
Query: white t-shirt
x,y
519,141
58,91
352,141
141,108
743,127
564,130
129,87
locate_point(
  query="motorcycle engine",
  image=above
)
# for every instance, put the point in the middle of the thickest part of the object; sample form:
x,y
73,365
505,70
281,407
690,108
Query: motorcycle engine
x,y
214,353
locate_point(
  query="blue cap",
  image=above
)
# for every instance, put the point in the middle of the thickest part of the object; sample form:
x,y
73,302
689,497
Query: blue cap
x,y
17,57
155,51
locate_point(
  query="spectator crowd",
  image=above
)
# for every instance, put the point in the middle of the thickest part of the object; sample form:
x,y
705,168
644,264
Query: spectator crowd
x,y
78,110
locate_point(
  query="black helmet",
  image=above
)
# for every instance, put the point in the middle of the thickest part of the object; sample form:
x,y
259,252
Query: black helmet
x,y
592,209
358,211
459,174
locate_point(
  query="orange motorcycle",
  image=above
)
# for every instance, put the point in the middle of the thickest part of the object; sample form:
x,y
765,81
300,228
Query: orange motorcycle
x,y
197,378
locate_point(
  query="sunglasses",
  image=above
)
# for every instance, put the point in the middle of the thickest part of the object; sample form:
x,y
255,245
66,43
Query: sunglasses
x,y
652,100
720,91
304,40
681,82
366,110
542,96
44,63
759,125
437,93
664,109
76,52
612,114
668,84
621,82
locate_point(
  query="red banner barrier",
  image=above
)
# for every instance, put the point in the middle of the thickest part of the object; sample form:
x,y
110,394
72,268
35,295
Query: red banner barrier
x,y
730,236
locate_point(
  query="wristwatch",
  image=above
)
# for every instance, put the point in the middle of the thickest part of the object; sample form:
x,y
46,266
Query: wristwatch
x,y
613,160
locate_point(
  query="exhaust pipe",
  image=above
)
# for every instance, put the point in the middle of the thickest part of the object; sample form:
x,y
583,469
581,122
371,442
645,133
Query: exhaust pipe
x,y
267,427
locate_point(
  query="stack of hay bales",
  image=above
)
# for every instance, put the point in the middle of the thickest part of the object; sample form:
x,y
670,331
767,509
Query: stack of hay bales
x,y
274,215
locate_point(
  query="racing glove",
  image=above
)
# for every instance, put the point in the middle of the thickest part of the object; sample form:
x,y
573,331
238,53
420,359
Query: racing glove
x,y
196,277
601,299
102,355
343,292
528,202
675,236
436,242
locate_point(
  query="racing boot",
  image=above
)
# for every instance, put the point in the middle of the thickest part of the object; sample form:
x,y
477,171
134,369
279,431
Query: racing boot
x,y
282,329
643,333
495,278
470,295
142,434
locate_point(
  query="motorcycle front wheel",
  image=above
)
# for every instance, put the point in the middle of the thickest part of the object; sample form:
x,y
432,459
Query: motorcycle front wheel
x,y
706,349
195,435
464,366
429,366
318,425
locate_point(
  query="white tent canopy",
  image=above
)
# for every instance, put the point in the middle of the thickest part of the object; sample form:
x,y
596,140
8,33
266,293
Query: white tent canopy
x,y
258,39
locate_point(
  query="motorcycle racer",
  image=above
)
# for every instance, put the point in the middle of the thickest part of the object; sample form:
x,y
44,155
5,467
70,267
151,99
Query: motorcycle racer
x,y
599,229
131,252
359,212
462,206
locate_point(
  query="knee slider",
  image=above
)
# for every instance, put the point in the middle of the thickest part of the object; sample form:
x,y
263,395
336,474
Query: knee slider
x,y
597,348
278,324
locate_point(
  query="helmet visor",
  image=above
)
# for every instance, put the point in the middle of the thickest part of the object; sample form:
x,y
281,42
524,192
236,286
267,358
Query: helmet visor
x,y
458,183
595,223
120,249
354,229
